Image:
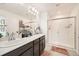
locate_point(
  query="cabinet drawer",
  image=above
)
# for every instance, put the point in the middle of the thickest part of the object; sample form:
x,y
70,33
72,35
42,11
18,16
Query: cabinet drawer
x,y
19,50
29,52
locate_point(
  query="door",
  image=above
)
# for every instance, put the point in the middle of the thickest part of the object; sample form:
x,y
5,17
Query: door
x,y
42,45
62,32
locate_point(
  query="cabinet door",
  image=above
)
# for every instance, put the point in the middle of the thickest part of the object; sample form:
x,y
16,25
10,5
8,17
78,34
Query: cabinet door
x,y
42,44
36,49
29,52
41,47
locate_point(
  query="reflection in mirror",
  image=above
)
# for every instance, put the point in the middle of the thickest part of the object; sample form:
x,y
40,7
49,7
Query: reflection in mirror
x,y
2,27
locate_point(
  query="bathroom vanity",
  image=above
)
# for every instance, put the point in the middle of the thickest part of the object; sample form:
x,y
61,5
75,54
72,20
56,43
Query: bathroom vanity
x,y
31,46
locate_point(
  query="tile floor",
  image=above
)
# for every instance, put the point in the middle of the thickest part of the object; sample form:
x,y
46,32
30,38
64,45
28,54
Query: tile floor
x,y
58,51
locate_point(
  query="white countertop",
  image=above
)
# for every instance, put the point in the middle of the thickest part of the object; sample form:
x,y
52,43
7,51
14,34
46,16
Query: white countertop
x,y
23,41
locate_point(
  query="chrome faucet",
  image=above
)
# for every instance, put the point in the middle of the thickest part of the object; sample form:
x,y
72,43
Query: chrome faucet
x,y
11,37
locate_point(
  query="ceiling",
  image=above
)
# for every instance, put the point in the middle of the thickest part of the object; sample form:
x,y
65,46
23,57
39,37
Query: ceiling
x,y
51,8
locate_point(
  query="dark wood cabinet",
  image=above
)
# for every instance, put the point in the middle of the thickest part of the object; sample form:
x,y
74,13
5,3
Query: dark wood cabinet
x,y
34,48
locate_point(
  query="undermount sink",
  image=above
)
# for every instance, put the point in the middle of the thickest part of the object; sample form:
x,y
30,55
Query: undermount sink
x,y
5,44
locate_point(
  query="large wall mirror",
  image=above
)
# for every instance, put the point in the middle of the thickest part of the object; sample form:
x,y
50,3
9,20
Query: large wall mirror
x,y
2,26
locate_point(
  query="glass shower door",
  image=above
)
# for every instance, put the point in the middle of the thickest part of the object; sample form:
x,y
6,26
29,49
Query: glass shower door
x,y
63,32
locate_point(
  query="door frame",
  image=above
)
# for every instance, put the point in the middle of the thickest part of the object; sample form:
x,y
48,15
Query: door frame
x,y
74,27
